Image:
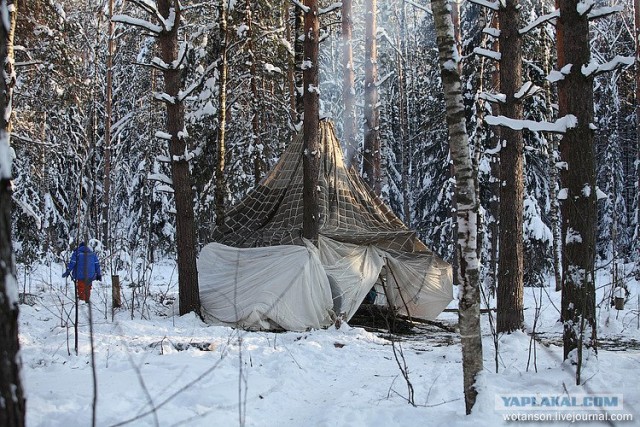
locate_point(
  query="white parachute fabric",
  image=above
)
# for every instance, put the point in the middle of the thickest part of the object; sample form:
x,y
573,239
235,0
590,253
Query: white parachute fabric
x,y
303,287
352,271
273,287
417,287
412,284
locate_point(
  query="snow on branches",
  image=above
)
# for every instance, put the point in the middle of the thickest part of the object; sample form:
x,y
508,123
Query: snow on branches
x,y
164,24
559,126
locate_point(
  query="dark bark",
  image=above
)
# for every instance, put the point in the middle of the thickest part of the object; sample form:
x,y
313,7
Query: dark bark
x,y
106,186
348,86
106,197
12,412
12,399
183,190
494,181
510,263
636,15
579,214
259,164
554,208
291,65
299,47
404,122
371,164
311,155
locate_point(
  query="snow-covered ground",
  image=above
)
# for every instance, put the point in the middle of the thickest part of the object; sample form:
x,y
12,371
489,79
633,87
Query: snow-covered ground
x,y
155,368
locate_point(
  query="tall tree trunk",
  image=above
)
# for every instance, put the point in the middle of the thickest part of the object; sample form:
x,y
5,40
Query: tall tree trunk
x,y
12,400
510,264
371,165
291,62
636,14
467,205
554,208
579,214
106,196
106,186
348,85
220,191
311,155
404,123
299,49
259,166
494,179
183,190
455,262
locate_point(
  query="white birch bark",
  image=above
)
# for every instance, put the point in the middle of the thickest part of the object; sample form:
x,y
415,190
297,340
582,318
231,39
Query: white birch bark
x,y
467,203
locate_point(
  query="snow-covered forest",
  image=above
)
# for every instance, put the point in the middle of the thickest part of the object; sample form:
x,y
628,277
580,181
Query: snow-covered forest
x,y
59,124
93,148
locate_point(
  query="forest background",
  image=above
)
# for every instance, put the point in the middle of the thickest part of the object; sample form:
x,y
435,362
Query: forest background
x,y
92,163
59,128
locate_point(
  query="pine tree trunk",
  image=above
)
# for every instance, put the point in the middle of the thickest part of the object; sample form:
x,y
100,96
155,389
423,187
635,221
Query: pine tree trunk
x,y
554,208
494,181
299,43
467,205
220,190
106,186
554,212
291,64
348,85
371,165
12,399
404,123
106,198
579,214
636,234
311,155
12,409
510,264
183,190
259,165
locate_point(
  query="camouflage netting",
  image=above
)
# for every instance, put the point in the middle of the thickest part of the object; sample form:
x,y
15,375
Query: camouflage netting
x,y
362,244
271,214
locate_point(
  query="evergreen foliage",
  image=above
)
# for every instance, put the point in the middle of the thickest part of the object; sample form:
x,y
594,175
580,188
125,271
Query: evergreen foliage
x,y
58,131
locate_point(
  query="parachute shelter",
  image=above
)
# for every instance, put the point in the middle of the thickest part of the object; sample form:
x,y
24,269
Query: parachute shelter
x,y
260,273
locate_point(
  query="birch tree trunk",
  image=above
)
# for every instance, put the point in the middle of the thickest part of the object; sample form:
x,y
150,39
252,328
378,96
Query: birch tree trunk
x,y
510,262
371,164
182,183
311,97
220,191
12,399
467,204
578,202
